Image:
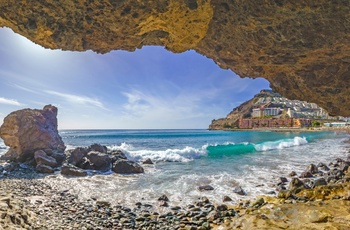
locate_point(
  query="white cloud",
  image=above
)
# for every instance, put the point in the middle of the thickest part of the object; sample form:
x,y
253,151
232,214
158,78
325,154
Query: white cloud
x,y
153,108
25,89
10,101
76,99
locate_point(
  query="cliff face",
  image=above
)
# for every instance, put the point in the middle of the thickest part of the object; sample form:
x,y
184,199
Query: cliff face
x,y
302,47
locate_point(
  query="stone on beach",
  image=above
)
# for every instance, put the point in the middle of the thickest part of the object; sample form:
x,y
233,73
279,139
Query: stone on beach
x,y
296,184
42,168
126,167
42,158
312,169
164,198
71,170
148,161
76,155
238,190
343,166
99,161
28,130
306,174
60,157
97,148
117,154
205,188
318,182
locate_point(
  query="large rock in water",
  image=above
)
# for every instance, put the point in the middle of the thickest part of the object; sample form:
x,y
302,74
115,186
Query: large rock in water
x,y
126,167
300,46
28,130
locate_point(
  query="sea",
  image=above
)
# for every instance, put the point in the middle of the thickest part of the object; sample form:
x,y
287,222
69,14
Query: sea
x,y
186,159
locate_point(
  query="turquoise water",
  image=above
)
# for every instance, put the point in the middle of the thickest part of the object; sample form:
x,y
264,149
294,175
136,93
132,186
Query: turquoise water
x,y
189,144
186,159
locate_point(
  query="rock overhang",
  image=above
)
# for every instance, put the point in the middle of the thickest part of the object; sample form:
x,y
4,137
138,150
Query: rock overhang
x,y
301,47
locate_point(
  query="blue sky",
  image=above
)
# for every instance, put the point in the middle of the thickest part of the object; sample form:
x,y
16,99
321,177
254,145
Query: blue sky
x,y
148,88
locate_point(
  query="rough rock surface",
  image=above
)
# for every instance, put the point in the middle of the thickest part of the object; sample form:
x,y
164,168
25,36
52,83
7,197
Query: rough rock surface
x,y
42,158
302,47
126,167
71,170
28,130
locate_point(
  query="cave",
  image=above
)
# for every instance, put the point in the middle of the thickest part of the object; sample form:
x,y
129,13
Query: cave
x,y
301,47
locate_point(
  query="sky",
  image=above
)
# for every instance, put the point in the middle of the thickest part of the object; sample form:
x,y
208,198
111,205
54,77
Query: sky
x,y
150,88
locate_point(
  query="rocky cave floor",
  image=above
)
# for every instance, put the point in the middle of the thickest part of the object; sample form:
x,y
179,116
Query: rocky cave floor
x,y
26,202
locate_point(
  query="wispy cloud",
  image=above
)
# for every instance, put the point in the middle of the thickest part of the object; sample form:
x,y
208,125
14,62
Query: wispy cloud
x,y
76,99
25,89
151,107
10,101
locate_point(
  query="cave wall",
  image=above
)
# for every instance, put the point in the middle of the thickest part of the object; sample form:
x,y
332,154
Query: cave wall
x,y
302,47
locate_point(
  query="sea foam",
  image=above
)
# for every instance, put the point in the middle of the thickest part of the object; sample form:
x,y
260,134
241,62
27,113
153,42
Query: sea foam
x,y
169,155
280,144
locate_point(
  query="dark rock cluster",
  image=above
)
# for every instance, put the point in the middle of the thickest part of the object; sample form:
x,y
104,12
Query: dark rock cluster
x,y
316,176
96,157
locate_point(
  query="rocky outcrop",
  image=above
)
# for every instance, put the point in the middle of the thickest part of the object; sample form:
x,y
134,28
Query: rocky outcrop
x,y
97,157
301,47
28,130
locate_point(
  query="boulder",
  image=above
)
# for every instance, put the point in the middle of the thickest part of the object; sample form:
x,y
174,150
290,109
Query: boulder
x,y
306,174
42,158
163,203
222,207
99,161
238,190
257,203
296,185
60,157
44,169
283,180
71,170
312,169
164,198
76,155
205,188
148,161
126,167
318,182
117,154
28,130
226,199
343,166
98,148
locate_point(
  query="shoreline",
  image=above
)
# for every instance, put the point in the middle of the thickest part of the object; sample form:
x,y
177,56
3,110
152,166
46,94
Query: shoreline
x,y
308,129
37,205
29,200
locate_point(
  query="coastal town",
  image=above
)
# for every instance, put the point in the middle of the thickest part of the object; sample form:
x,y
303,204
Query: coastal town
x,y
270,110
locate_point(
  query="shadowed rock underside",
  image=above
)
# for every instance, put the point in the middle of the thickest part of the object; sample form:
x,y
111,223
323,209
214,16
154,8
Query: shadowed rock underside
x,y
302,47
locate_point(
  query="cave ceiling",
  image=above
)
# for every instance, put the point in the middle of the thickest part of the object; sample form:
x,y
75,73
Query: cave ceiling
x,y
301,47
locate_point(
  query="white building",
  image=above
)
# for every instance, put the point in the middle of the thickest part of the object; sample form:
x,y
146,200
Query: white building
x,y
271,111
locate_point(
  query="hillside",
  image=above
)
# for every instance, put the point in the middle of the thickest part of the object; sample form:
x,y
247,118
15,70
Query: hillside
x,y
268,98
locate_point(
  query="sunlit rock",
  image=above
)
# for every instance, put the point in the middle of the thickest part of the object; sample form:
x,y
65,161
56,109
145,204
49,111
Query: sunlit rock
x,y
28,130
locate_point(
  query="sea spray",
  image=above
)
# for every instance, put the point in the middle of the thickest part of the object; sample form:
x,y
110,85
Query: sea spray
x,y
189,153
251,160
169,155
280,144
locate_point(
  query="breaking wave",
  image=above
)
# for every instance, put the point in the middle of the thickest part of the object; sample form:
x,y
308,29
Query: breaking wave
x,y
189,153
